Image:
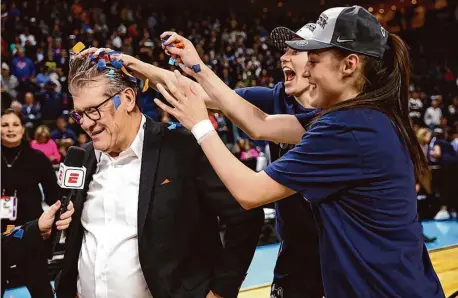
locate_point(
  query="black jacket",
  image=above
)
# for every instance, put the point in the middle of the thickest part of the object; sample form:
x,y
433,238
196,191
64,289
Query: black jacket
x,y
25,248
180,250
31,169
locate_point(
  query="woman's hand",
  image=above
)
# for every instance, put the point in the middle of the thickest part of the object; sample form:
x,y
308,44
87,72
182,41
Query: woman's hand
x,y
46,220
188,107
182,47
128,61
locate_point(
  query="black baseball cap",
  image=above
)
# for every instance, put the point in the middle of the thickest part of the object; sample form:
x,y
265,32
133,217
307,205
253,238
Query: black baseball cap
x,y
351,28
280,35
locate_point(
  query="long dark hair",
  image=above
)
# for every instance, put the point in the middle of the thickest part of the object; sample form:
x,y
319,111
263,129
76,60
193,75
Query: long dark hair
x,y
12,111
385,87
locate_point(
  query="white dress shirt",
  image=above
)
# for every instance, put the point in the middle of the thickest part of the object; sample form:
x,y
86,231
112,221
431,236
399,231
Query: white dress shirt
x,y
108,264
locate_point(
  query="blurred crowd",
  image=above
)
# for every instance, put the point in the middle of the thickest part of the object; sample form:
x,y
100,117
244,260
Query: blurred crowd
x,y
36,36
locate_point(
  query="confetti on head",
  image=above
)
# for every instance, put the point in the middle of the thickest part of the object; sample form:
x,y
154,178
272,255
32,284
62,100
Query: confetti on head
x,y
110,74
78,47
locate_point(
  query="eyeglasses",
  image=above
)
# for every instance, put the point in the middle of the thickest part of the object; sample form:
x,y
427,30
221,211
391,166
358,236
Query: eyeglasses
x,y
92,113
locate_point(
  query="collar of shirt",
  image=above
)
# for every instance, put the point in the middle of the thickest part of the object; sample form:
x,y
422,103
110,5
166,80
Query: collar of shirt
x,y
135,149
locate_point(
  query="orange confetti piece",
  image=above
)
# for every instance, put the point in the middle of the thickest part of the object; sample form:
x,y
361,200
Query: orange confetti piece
x,y
145,86
124,70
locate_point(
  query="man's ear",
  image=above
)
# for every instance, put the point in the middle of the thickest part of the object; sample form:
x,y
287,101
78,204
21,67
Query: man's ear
x,y
350,64
131,99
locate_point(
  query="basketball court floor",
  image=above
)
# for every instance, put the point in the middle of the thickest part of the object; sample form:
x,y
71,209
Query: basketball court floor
x,y
443,252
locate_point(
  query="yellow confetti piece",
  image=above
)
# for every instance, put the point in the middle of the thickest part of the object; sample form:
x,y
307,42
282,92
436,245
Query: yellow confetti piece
x,y
78,47
145,86
8,230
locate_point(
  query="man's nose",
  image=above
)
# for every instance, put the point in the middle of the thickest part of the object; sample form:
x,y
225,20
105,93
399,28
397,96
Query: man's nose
x,y
86,123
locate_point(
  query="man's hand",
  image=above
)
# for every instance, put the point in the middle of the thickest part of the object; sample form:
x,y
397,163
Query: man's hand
x,y
213,295
47,219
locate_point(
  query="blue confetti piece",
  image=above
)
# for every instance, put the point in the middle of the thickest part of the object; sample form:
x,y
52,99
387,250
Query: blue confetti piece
x,y
91,57
196,68
116,101
172,61
117,63
19,233
101,65
173,125
110,74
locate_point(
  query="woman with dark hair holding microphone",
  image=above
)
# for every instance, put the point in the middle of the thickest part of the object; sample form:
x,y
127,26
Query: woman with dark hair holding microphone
x,y
356,163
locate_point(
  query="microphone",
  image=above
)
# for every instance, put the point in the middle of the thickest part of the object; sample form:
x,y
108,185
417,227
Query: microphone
x,y
71,176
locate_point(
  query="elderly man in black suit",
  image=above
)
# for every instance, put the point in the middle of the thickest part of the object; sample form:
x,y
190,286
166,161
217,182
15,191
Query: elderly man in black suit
x,y
146,223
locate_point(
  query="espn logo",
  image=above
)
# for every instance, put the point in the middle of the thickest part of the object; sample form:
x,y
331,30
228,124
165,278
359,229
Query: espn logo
x,y
71,177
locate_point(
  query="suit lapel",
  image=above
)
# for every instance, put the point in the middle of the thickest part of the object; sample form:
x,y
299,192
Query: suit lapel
x,y
91,164
150,159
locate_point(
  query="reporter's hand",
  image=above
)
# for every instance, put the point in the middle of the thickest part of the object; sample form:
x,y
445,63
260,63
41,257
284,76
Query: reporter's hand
x,y
187,53
46,220
188,107
213,295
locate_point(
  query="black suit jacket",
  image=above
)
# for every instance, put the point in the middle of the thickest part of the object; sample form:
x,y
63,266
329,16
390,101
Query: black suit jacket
x,y
180,250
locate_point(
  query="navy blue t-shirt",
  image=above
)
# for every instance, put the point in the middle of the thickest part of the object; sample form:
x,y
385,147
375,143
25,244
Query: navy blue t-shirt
x,y
291,224
357,171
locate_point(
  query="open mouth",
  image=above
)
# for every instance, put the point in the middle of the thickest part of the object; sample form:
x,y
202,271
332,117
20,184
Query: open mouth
x,y
289,74
11,136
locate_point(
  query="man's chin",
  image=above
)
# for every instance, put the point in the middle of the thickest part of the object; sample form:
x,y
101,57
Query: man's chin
x,y
99,145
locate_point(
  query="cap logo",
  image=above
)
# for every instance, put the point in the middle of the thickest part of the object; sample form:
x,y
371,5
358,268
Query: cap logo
x,y
302,43
322,20
343,40
383,31
311,27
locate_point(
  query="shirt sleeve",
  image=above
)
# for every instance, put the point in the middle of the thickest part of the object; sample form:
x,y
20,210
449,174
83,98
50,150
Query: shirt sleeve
x,y
306,117
262,97
323,163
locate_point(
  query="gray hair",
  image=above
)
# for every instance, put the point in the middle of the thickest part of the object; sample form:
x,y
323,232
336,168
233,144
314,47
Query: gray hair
x,y
83,72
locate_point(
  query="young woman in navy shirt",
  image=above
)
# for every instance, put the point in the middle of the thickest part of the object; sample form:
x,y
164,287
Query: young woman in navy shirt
x,y
356,163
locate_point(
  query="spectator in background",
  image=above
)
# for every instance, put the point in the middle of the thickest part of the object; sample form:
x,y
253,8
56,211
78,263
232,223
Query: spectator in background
x,y
16,106
45,144
23,170
22,67
424,138
443,154
248,151
31,112
433,114
415,106
452,111
27,39
62,135
8,81
82,139
454,141
51,103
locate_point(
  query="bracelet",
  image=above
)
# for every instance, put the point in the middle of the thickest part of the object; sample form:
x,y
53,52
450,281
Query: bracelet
x,y
202,129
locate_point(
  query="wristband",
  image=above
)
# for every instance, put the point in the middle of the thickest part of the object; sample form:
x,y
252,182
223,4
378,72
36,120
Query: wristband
x,y
202,129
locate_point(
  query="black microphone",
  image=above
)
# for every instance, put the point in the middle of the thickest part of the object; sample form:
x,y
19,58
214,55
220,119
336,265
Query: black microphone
x,y
71,176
